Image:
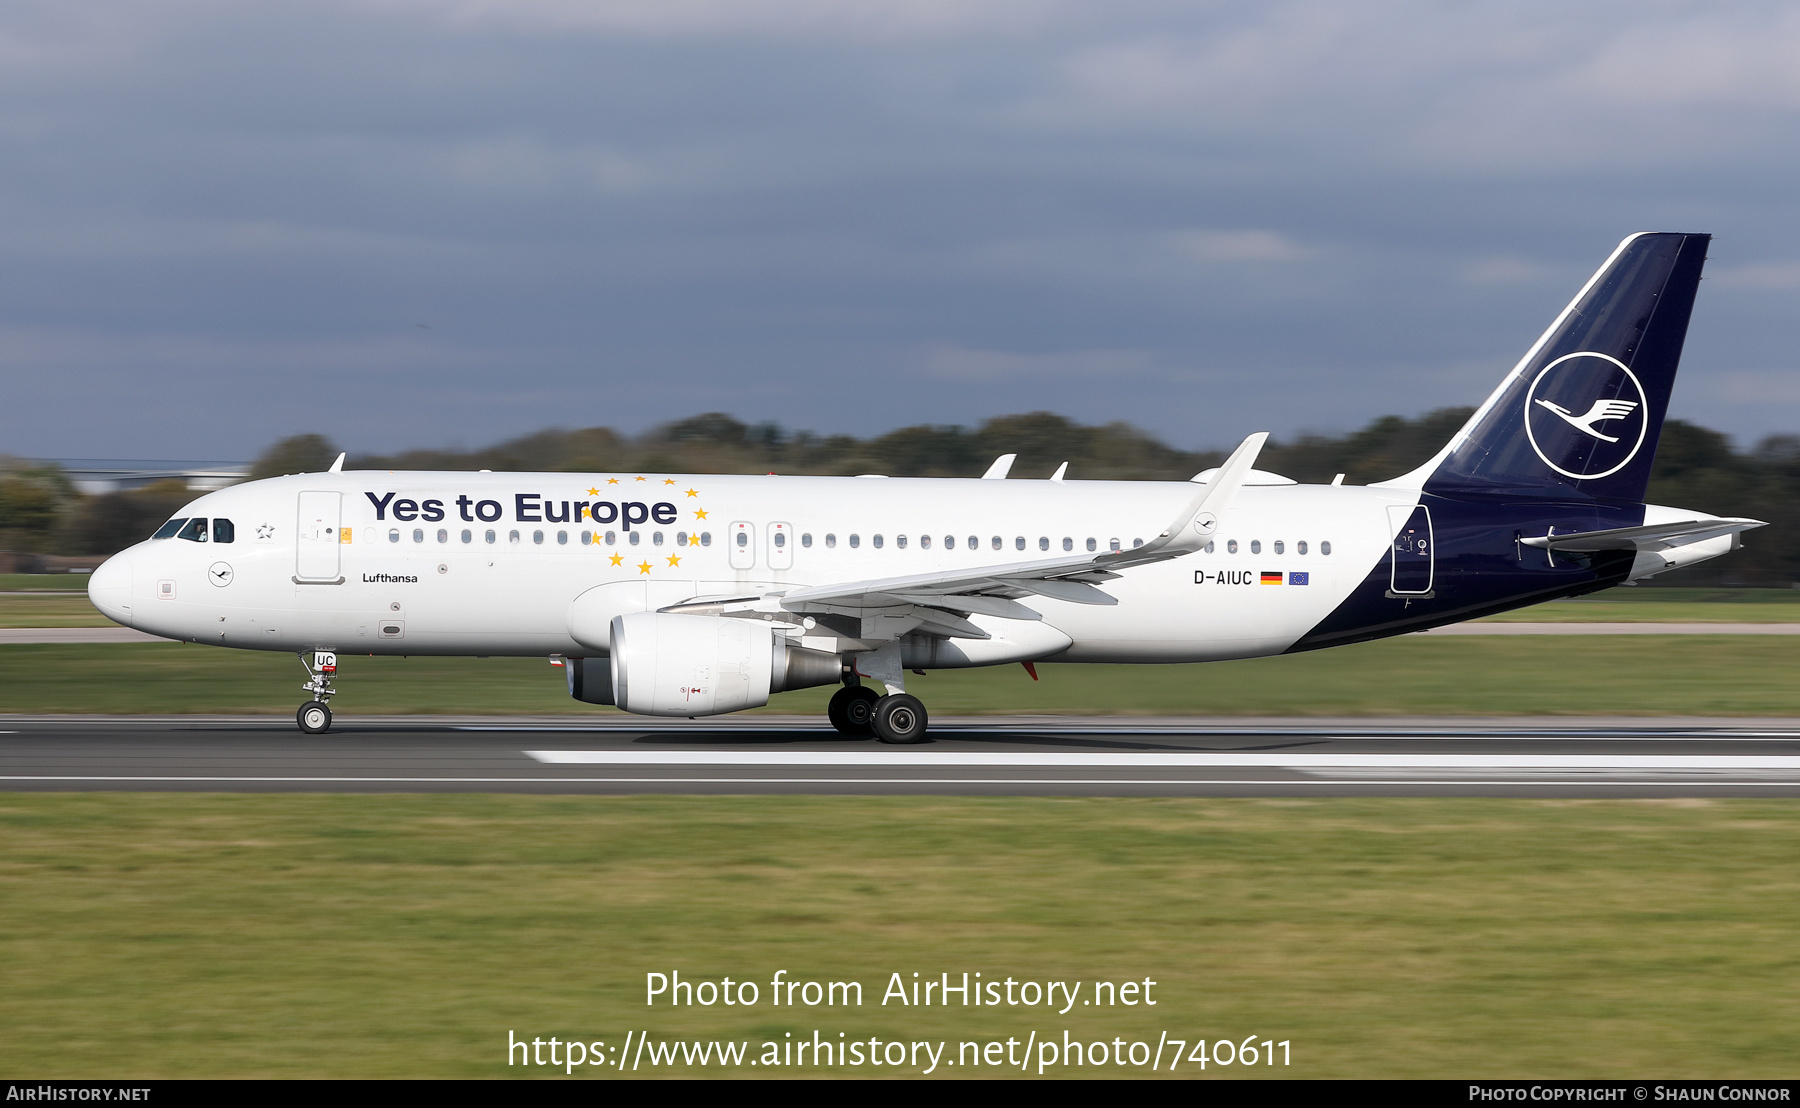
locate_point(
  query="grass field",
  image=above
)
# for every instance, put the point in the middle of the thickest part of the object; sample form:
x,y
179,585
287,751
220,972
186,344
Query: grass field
x,y
191,935
44,582
1725,675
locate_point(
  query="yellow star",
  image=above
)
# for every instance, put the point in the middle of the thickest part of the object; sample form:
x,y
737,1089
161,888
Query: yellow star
x,y
668,480
699,513
674,561
617,558
593,492
640,478
693,492
643,567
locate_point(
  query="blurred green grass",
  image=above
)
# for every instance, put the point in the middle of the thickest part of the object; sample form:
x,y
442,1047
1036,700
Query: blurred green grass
x,y
186,935
1724,675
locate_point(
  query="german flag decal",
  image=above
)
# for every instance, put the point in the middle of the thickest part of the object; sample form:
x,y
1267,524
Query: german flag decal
x,y
1271,578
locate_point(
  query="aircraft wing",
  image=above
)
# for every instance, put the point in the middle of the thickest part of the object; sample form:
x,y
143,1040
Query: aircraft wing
x,y
1655,536
939,603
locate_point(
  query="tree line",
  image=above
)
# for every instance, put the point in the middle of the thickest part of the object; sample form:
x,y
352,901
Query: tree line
x,y
1695,467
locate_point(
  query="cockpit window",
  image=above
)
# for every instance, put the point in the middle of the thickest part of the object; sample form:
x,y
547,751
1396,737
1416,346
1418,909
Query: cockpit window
x,y
195,531
224,531
167,530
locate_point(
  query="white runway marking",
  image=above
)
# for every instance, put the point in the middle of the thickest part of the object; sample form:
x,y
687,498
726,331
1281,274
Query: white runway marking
x,y
1260,759
932,781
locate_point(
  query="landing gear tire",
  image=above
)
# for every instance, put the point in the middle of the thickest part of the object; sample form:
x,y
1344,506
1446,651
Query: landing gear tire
x,y
314,717
852,709
900,718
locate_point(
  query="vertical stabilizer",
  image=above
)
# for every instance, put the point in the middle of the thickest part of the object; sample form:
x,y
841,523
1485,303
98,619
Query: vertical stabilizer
x,y
1583,410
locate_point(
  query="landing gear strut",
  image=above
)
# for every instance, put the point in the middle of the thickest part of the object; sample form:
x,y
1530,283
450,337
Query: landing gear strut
x,y
314,717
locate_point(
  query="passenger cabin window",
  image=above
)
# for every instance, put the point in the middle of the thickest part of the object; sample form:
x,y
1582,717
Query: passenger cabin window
x,y
1092,545
924,542
443,535
1209,546
855,541
1325,547
1043,542
562,538
468,535
1280,547
780,540
996,542
587,538
681,538
612,538
1300,547
195,531
394,535
635,536
1256,546
418,534
1068,543
806,540
656,539
1231,546
974,543
1112,544
877,541
900,541
743,540
490,537
167,530
705,538
830,540
224,531
1019,543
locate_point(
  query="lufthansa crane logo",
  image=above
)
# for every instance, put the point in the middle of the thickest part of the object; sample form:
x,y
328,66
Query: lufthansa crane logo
x,y
1585,415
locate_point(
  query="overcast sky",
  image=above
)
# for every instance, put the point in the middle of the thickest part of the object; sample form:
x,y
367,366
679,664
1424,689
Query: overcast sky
x,y
421,223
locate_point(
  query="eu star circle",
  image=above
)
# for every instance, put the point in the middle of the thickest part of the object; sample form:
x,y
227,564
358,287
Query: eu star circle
x,y
219,573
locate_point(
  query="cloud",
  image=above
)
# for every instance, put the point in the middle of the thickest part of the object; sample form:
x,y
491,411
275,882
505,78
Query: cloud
x,y
1508,271
956,363
1237,246
1770,276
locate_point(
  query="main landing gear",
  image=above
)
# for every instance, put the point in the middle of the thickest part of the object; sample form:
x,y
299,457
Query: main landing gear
x,y
859,711
314,717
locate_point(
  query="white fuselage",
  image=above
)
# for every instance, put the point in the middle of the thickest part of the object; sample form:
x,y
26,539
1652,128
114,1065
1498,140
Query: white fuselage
x,y
369,580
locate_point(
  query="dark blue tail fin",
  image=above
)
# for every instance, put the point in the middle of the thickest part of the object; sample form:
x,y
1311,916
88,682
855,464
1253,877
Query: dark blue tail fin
x,y
1583,410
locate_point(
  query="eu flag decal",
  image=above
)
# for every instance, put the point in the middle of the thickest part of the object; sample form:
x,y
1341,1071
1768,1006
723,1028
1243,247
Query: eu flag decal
x,y
1271,578
1296,578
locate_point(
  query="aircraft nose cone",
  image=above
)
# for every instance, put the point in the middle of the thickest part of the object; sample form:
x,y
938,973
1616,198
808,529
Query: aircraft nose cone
x,y
109,588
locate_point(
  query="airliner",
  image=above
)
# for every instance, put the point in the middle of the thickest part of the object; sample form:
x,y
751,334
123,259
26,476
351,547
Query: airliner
x,y
699,594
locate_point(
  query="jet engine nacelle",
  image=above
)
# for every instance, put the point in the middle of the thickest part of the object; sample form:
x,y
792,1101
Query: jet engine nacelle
x,y
677,665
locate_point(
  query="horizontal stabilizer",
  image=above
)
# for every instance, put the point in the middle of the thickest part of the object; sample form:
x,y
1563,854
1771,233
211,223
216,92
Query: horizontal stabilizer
x,y
1655,536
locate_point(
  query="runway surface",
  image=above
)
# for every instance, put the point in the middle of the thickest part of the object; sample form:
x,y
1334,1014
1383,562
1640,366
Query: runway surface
x,y
969,756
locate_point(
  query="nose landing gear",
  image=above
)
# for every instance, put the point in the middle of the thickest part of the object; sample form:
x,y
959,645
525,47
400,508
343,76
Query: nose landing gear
x,y
314,717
